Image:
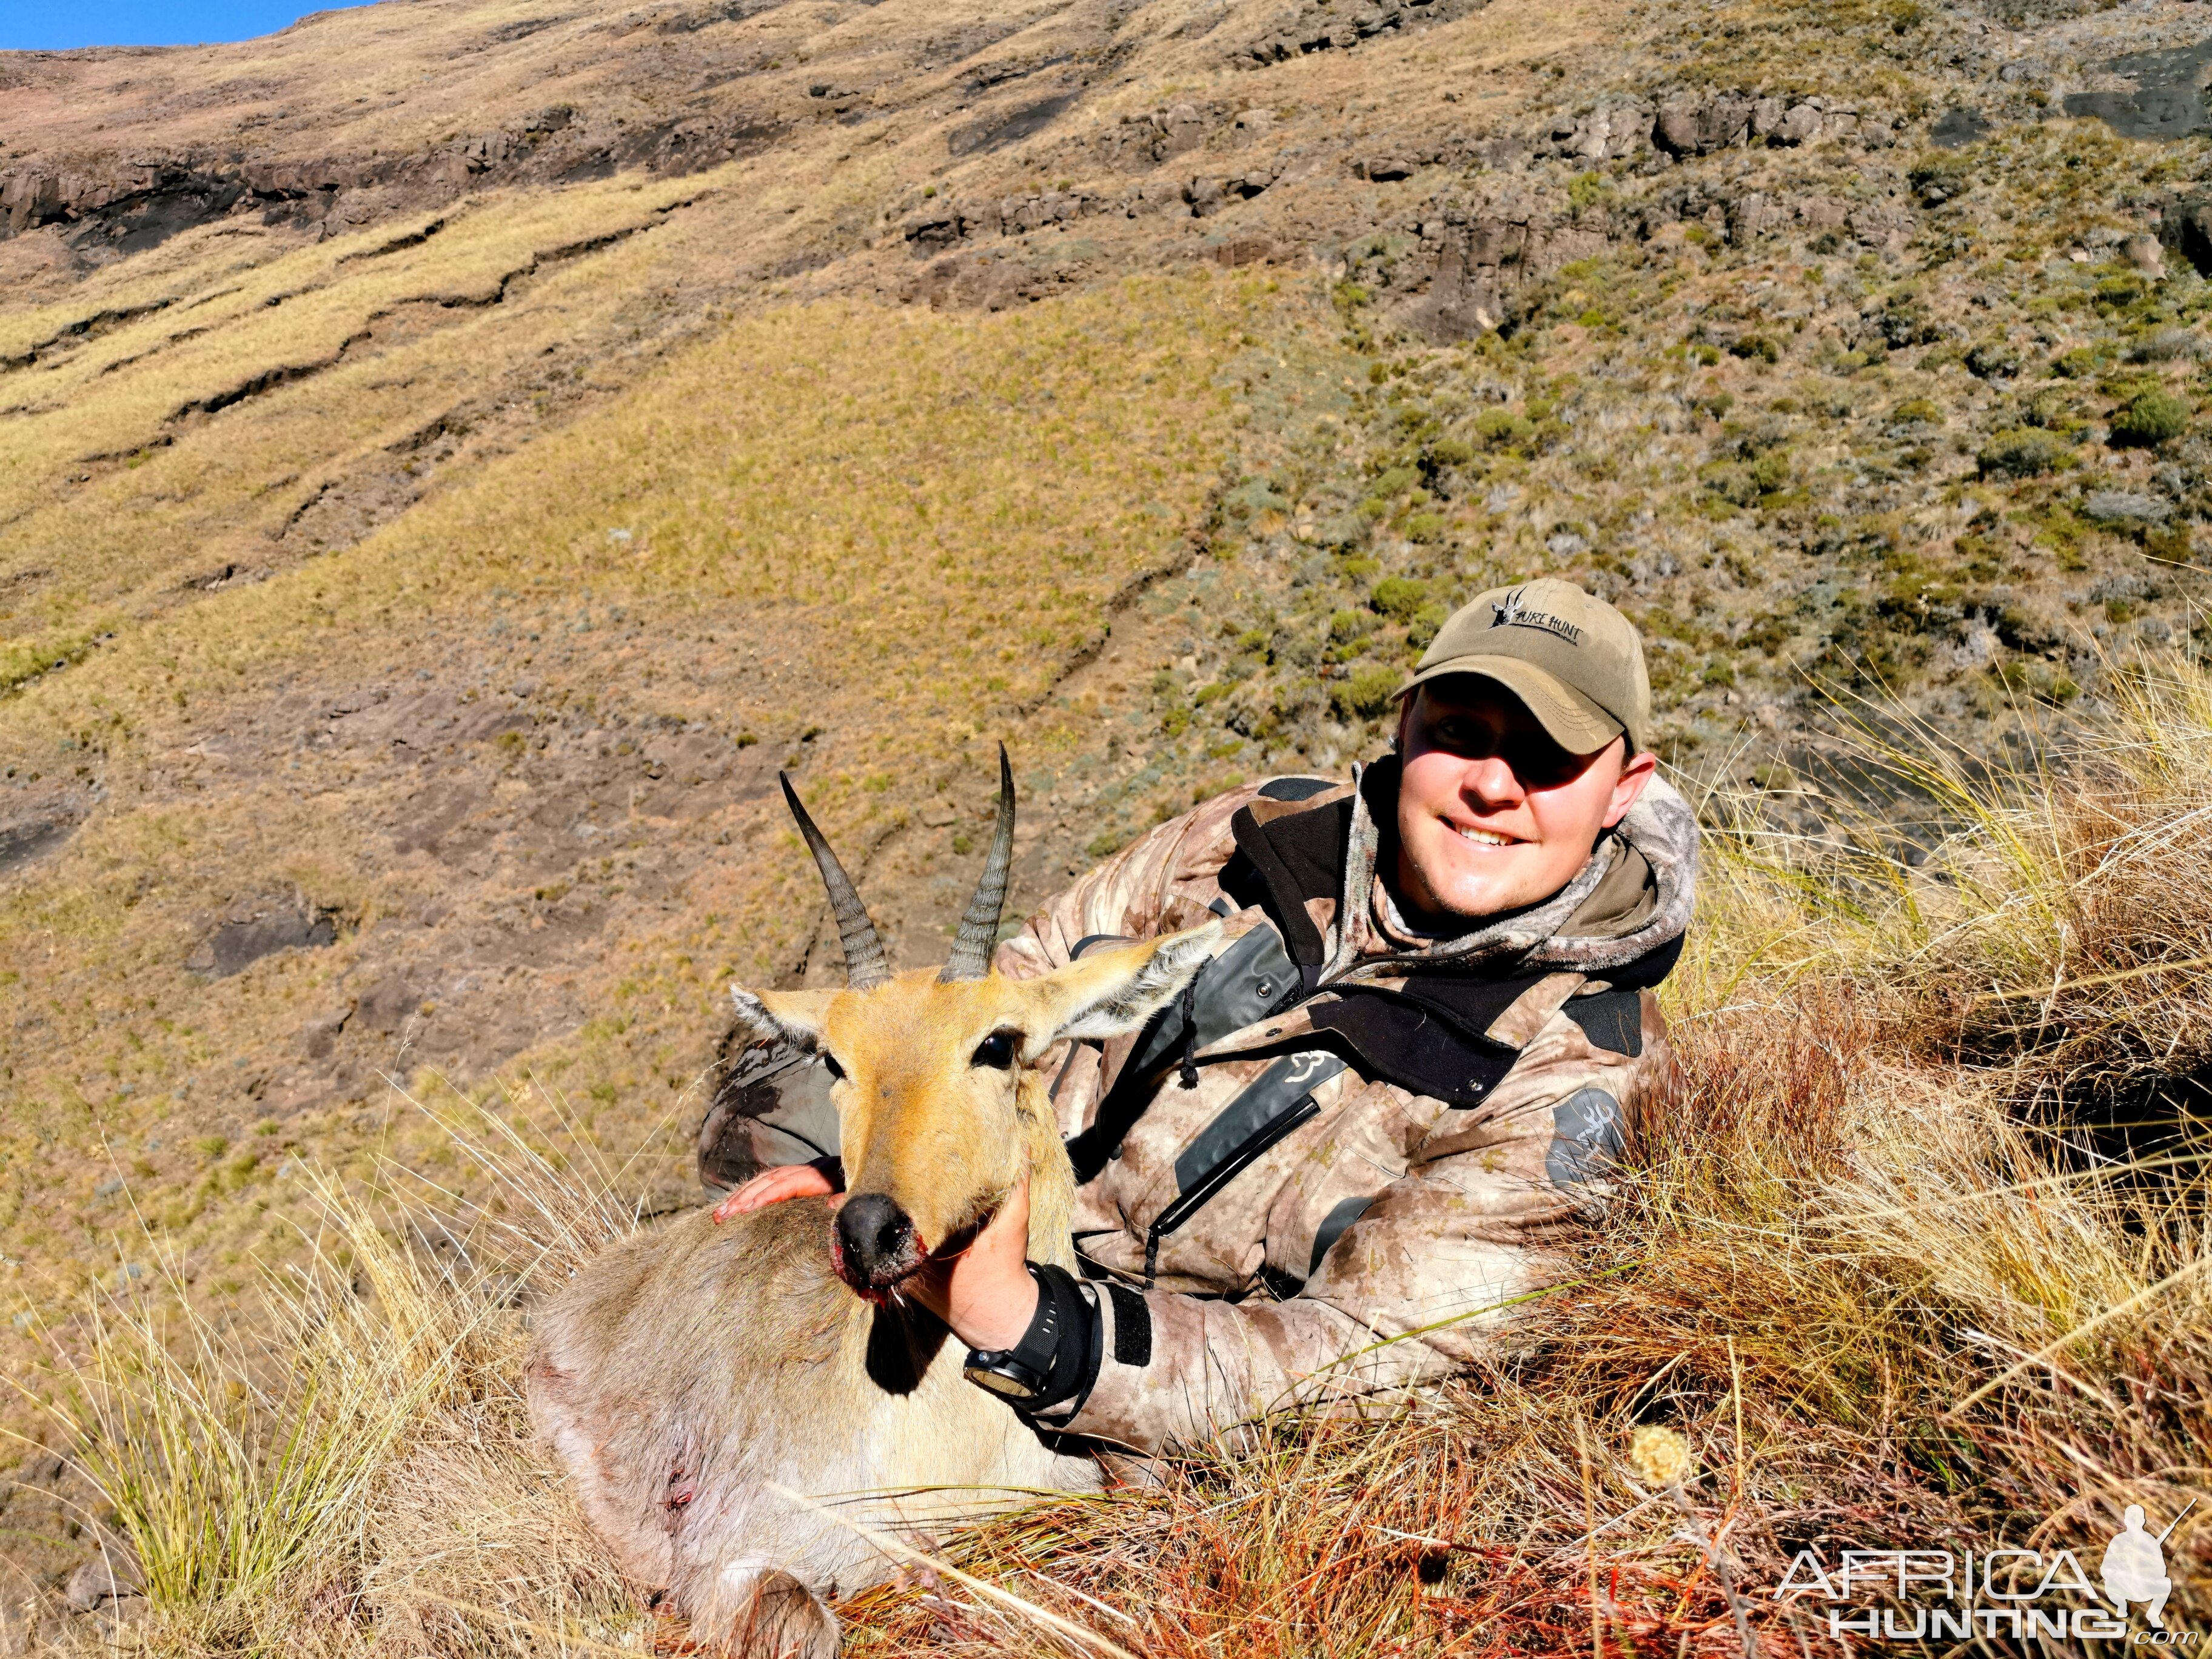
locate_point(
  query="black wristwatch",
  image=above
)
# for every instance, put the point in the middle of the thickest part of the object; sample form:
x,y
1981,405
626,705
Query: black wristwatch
x,y
1057,1357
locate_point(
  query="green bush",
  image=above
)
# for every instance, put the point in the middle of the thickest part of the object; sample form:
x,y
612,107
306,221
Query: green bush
x,y
1367,695
1758,346
1346,626
2023,451
2151,417
1425,528
1451,452
1918,409
1398,596
1993,360
1421,626
1501,428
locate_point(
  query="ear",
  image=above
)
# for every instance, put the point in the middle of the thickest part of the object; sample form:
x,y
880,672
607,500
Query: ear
x,y
790,1016
1111,992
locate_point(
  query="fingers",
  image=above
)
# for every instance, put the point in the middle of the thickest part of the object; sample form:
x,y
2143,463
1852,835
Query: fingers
x,y
773,1187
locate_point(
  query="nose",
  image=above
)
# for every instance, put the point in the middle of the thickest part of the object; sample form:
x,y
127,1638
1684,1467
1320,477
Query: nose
x,y
876,1245
1492,781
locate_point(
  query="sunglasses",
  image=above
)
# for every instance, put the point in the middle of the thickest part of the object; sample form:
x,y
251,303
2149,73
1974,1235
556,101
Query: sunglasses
x,y
1526,748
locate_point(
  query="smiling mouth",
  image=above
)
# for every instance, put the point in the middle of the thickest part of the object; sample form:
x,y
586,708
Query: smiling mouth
x,y
1467,832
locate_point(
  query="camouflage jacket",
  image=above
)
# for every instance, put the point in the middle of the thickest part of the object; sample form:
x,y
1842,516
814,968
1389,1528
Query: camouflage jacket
x,y
1341,1161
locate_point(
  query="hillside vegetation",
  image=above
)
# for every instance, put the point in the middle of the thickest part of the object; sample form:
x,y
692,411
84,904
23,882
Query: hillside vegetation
x,y
452,454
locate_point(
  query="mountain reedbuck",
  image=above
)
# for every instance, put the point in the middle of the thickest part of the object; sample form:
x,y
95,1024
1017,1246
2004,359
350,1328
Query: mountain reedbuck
x,y
728,1397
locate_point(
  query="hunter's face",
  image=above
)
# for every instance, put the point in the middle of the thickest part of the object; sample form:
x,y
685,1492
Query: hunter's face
x,y
1493,814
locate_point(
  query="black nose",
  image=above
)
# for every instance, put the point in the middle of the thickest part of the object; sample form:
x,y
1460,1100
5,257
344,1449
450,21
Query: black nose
x,y
875,1241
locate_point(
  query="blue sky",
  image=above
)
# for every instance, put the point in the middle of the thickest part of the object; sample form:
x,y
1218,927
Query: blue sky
x,y
47,25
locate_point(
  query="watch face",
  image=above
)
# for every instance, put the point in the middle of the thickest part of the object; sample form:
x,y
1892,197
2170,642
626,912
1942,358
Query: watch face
x,y
998,1383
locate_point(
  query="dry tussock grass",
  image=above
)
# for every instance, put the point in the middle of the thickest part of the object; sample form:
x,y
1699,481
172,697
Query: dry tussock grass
x,y
1858,1267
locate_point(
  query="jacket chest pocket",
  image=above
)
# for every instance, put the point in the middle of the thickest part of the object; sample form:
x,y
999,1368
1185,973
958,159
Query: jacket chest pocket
x,y
1273,1105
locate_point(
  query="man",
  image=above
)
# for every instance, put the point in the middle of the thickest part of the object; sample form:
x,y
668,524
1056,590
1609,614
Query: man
x,y
1353,1148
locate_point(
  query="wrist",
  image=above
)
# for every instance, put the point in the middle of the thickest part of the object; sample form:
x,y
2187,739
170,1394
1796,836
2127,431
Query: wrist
x,y
1002,1321
1055,1357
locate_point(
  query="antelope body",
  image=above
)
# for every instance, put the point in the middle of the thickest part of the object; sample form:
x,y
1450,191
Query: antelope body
x,y
741,1404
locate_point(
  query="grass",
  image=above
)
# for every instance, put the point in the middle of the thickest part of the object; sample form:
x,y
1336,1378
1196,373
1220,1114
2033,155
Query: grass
x,y
817,510
1864,1264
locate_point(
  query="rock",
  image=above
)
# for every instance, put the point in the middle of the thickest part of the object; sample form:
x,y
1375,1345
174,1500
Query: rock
x,y
387,1005
238,943
934,232
1801,125
939,814
2187,229
1484,255
1676,129
320,1036
2142,252
111,1575
2125,507
1142,141
1957,128
1383,169
1603,134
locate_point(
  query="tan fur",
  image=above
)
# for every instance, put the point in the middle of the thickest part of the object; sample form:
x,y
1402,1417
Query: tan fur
x,y
689,1373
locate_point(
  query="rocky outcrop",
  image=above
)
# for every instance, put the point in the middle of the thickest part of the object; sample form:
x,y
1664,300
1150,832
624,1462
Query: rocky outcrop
x,y
1321,26
1695,124
1138,142
1483,254
1699,124
107,207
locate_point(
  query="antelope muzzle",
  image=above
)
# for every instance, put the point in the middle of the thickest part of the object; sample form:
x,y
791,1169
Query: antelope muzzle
x,y
876,1245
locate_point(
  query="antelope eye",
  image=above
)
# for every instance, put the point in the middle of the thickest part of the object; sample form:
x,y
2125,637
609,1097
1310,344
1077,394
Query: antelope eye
x,y
836,1072
995,1050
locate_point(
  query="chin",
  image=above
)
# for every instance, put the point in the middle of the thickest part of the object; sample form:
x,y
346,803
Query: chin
x,y
1504,880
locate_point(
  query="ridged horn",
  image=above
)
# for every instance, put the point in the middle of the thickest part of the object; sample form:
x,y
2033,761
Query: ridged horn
x,y
866,965
979,928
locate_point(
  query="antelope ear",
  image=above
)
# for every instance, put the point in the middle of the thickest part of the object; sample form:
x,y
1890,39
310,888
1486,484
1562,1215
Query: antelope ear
x,y
791,1016
1111,992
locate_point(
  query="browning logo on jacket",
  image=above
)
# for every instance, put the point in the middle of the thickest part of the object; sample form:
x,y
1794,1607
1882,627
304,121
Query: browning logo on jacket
x,y
1348,1153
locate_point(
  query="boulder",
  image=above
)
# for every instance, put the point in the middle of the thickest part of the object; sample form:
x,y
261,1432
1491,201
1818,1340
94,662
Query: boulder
x,y
109,1577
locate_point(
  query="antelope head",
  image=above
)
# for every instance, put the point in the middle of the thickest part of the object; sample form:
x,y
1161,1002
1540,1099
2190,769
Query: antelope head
x,y
939,1115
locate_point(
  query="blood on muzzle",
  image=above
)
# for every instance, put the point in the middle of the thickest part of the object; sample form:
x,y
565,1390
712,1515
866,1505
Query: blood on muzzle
x,y
876,1243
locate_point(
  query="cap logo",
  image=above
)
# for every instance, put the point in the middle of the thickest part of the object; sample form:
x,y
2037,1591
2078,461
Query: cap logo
x,y
1513,613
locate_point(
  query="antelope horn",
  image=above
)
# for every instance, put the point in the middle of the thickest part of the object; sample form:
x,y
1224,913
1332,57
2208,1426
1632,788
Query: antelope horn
x,y
979,928
865,966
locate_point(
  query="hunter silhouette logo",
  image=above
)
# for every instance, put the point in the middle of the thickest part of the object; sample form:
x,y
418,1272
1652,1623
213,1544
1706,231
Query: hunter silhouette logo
x,y
2135,1567
2002,1592
1513,613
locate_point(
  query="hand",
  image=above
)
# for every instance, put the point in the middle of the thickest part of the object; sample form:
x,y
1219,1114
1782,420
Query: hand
x,y
774,1186
985,1294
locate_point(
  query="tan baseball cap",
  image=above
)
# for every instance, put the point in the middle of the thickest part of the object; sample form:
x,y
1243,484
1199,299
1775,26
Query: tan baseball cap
x,y
1572,658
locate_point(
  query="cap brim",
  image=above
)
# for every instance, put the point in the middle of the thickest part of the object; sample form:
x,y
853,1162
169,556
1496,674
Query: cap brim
x,y
1575,723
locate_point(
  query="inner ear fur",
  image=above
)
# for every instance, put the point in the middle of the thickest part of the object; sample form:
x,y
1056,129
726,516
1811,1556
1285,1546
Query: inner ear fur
x,y
790,1016
1110,992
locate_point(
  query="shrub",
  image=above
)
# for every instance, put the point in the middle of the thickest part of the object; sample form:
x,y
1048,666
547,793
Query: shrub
x,y
1367,695
1920,409
1346,626
1759,346
1448,452
1993,360
2151,417
2023,451
1425,528
1398,596
1500,427
1422,626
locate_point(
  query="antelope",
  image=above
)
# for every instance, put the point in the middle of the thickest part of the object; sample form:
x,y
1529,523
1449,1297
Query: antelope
x,y
741,1404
